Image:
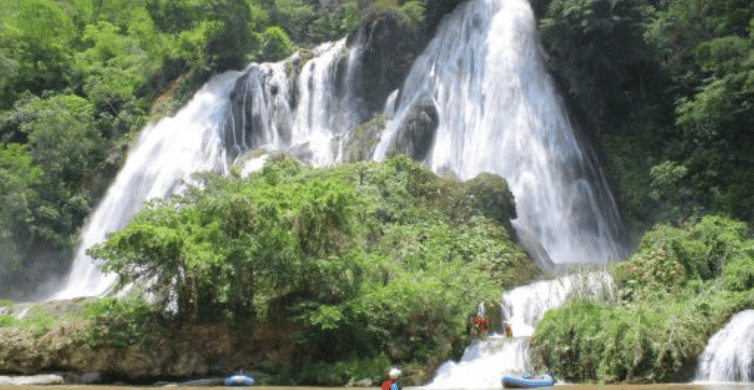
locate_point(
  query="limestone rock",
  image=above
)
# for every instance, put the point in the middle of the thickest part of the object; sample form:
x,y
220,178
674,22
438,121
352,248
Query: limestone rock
x,y
366,382
388,49
208,382
416,133
363,139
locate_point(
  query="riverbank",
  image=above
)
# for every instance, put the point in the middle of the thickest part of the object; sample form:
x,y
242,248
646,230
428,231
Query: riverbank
x,y
666,386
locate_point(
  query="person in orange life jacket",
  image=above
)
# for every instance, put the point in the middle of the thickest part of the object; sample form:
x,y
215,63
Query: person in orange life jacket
x,y
508,332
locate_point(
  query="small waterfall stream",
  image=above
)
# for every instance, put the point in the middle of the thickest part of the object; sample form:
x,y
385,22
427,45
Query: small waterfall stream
x,y
729,356
486,360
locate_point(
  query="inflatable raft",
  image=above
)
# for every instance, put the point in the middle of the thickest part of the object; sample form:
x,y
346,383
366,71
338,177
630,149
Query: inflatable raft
x,y
239,380
524,381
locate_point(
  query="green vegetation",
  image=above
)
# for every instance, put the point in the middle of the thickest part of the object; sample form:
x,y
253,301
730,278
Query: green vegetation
x,y
121,322
666,88
677,290
79,78
378,263
365,258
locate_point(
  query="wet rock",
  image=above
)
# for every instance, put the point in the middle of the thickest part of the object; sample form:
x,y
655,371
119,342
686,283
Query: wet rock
x,y
387,49
204,382
416,133
91,377
366,382
363,139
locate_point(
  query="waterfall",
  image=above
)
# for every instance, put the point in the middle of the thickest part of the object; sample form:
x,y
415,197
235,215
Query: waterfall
x,y
164,154
729,355
499,112
236,116
486,360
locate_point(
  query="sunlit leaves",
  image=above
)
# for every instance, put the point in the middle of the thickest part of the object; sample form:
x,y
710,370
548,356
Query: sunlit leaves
x,y
355,282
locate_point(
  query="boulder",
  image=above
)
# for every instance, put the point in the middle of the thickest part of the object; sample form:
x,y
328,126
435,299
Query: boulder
x,y
363,139
207,382
417,131
91,377
366,382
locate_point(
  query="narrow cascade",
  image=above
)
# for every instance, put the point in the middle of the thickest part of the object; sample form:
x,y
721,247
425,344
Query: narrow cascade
x,y
499,112
729,356
236,118
486,360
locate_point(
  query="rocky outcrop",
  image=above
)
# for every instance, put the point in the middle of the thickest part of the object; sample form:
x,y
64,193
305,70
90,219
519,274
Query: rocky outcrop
x,y
387,51
182,352
363,139
416,133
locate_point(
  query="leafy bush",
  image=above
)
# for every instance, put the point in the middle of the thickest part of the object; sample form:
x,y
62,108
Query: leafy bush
x,y
120,322
276,44
366,258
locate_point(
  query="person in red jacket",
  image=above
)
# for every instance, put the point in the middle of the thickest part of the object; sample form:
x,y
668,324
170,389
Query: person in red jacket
x,y
391,383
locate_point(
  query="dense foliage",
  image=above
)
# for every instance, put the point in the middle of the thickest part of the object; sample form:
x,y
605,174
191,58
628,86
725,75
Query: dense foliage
x,y
667,86
79,78
366,258
677,290
352,255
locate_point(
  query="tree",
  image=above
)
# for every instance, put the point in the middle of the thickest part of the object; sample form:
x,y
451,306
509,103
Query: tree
x,y
18,179
598,46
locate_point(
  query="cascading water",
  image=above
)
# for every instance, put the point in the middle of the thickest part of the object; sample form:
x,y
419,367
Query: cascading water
x,y
164,154
499,112
729,356
496,109
486,360
233,113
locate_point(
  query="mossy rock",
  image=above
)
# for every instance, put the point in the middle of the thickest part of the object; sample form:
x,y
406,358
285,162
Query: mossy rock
x,y
415,135
363,139
492,197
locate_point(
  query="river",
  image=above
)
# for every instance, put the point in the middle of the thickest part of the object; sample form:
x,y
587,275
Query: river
x,y
668,386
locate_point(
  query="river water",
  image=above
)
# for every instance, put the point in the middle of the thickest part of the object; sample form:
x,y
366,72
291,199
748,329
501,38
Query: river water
x,y
668,386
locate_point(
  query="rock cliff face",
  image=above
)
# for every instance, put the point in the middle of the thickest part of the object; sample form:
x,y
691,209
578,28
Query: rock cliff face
x,y
184,352
387,49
